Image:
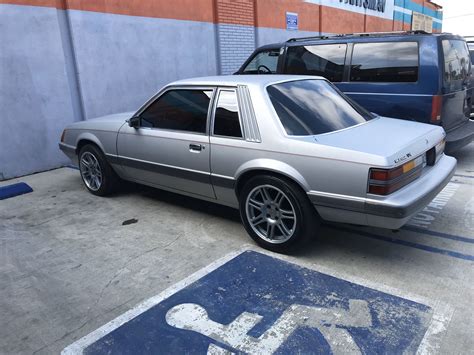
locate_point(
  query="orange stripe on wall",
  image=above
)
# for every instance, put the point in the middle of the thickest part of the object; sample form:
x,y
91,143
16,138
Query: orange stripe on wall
x,y
193,10
59,4
272,13
341,21
377,24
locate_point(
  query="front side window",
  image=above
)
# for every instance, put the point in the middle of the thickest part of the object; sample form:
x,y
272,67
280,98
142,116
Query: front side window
x,y
226,118
180,109
310,107
264,62
385,62
324,60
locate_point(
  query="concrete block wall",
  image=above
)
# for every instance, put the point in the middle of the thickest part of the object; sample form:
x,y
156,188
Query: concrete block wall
x,y
67,60
236,33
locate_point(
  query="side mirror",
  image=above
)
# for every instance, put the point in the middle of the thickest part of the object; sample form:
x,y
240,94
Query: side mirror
x,y
134,122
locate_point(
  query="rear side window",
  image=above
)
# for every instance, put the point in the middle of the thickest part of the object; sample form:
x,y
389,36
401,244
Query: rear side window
x,y
264,62
324,60
385,62
226,119
456,62
309,107
181,110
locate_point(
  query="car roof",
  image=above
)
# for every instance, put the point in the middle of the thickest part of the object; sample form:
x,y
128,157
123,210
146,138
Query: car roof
x,y
248,80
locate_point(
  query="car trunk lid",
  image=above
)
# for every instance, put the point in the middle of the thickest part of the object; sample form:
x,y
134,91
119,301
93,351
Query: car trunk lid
x,y
394,140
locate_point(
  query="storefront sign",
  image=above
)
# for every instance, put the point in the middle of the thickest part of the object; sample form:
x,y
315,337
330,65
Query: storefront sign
x,y
376,5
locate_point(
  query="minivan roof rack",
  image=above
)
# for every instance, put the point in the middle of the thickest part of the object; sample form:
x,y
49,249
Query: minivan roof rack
x,y
359,34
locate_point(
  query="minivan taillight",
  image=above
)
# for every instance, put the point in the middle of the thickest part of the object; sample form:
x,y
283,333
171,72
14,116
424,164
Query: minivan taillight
x,y
386,181
436,107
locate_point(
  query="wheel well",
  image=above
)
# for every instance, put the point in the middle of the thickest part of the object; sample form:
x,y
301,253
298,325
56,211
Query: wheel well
x,y
250,174
83,142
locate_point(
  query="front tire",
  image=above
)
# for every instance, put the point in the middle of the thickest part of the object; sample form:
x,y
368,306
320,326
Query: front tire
x,y
96,173
276,213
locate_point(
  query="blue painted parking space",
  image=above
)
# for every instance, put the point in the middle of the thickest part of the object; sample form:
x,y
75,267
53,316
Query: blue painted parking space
x,y
256,303
13,190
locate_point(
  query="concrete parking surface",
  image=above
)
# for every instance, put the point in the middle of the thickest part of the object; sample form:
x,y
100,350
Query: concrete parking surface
x,y
70,262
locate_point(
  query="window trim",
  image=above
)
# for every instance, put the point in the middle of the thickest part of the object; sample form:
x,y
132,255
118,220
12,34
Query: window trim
x,y
214,109
168,88
385,82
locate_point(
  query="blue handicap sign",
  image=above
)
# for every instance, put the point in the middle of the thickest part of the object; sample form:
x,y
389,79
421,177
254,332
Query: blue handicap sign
x,y
256,303
291,21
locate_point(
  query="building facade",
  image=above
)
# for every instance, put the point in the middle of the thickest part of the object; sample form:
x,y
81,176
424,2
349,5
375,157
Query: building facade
x,y
68,60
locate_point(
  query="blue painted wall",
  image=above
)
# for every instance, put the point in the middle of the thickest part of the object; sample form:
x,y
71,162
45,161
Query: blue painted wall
x,y
35,100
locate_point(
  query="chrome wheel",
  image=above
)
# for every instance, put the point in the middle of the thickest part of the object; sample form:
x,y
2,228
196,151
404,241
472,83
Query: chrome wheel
x,y
270,214
90,171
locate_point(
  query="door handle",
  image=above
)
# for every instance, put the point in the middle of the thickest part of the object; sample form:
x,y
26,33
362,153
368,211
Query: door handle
x,y
196,147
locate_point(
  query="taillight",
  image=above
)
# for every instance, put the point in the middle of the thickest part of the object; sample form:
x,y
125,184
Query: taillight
x,y
436,107
386,181
62,136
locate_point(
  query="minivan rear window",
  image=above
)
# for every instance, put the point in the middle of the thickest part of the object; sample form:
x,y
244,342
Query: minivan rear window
x,y
456,62
385,62
309,107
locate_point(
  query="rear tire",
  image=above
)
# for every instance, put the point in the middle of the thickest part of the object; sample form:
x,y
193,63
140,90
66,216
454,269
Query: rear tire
x,y
96,173
277,214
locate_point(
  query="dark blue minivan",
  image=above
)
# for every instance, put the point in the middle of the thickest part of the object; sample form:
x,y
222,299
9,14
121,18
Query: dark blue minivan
x,y
409,75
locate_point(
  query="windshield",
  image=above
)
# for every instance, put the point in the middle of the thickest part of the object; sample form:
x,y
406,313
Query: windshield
x,y
310,107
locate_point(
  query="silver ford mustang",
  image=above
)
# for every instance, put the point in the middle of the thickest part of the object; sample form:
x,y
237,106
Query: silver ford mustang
x,y
288,151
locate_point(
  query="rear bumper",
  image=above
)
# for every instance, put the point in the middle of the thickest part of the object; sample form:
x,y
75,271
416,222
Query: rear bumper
x,y
391,211
460,136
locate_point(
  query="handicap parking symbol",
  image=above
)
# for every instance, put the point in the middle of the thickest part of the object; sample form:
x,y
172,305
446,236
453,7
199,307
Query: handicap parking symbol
x,y
259,304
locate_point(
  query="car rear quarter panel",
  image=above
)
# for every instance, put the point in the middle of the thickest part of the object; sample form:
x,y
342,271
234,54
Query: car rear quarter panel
x,y
314,167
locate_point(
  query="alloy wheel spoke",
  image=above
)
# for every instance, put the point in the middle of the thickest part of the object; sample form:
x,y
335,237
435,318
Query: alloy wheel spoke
x,y
258,219
270,230
284,229
287,214
256,204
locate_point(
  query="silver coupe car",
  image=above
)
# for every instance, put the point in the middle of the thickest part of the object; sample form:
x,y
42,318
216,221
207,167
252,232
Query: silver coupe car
x,y
287,151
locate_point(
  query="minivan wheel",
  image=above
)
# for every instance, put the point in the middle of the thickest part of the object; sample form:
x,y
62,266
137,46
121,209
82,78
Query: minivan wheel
x,y
96,173
276,213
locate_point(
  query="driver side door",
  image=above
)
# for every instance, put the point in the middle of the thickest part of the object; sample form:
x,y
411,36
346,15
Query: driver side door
x,y
170,147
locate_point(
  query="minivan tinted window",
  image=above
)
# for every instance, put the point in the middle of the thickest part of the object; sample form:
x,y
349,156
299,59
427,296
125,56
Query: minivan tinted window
x,y
385,62
325,60
309,107
456,62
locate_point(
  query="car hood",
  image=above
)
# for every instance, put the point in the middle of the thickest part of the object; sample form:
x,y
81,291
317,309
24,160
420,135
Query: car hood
x,y
391,140
108,123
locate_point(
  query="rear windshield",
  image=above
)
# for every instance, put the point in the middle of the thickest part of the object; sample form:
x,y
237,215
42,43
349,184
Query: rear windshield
x,y
457,63
309,107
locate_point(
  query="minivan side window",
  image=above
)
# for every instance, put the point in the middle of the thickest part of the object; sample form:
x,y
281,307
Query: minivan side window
x,y
180,109
325,60
264,62
226,118
385,62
